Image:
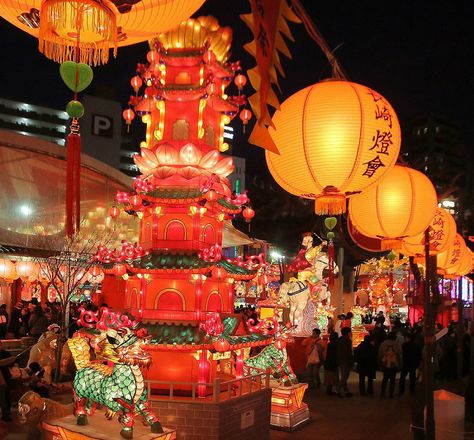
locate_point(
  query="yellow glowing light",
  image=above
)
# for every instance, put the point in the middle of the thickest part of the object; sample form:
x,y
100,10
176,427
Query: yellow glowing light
x,y
224,147
221,217
201,76
193,209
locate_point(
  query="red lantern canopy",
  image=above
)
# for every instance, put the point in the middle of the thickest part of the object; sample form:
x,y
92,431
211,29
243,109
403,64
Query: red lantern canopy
x,y
248,214
119,270
245,115
240,81
136,82
114,212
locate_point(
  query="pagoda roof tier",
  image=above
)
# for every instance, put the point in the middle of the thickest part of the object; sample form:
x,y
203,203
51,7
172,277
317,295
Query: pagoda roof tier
x,y
190,336
175,195
169,261
228,207
218,104
235,271
178,92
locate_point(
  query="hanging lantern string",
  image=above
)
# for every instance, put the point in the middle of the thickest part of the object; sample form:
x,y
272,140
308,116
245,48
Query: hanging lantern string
x,y
313,32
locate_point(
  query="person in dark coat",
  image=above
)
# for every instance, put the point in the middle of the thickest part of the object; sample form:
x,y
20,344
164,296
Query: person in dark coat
x,y
3,321
38,322
345,360
366,357
331,373
15,320
411,355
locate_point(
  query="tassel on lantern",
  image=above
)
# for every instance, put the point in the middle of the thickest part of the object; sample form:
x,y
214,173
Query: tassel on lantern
x,y
73,176
330,202
391,243
61,20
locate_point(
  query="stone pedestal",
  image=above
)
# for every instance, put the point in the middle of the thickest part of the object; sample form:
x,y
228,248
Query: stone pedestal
x,y
289,412
98,428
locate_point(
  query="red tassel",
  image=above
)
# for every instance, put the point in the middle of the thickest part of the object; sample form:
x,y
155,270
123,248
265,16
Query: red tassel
x,y
73,176
331,263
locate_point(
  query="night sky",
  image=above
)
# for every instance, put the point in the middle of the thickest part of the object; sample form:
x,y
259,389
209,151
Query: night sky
x,y
418,54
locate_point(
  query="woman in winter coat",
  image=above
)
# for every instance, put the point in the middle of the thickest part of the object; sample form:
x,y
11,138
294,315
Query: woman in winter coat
x,y
366,358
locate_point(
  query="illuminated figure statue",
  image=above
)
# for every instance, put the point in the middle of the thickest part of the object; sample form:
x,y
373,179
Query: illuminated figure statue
x,y
119,385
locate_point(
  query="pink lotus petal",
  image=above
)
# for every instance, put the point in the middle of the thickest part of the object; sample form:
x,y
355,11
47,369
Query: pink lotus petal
x,y
189,154
167,154
149,157
224,167
210,159
189,172
164,172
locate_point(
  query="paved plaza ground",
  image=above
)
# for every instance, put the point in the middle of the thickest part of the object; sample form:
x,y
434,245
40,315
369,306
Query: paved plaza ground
x,y
354,418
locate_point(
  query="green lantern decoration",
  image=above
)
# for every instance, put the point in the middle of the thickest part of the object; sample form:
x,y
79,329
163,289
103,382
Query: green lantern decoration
x,y
75,109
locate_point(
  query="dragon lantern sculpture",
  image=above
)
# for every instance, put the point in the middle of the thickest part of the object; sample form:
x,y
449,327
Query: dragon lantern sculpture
x,y
114,378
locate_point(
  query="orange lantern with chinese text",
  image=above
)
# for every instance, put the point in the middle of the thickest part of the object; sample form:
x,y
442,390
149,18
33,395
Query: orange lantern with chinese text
x,y
442,230
450,259
465,266
402,204
334,138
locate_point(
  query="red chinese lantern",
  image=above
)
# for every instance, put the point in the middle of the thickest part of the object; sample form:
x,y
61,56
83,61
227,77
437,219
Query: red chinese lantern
x,y
136,200
209,57
240,81
128,115
119,270
114,212
152,56
245,115
136,82
221,345
248,214
280,344
211,195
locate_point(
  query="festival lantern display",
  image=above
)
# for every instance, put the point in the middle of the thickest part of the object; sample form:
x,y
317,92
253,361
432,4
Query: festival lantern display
x,y
334,138
465,265
403,204
27,270
442,231
449,260
86,30
176,279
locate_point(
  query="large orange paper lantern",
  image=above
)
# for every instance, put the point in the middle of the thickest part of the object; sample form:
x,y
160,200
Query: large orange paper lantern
x,y
442,232
7,270
450,259
465,266
334,138
27,270
401,205
100,25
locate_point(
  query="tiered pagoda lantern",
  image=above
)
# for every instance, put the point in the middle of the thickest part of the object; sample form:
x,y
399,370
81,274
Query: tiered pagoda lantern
x,y
176,277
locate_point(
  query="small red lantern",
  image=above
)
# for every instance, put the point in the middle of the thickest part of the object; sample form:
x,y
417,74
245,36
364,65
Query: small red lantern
x,y
136,83
211,195
209,57
136,200
221,345
119,270
152,56
245,115
240,81
280,344
128,115
114,212
248,214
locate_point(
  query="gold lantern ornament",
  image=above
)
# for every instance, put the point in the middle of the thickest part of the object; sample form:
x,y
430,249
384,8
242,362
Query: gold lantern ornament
x,y
92,27
442,231
334,138
401,205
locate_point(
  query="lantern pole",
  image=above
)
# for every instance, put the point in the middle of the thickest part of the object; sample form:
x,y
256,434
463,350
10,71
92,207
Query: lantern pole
x,y
459,348
428,372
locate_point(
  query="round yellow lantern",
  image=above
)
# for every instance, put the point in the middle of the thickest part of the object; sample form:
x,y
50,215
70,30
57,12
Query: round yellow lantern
x,y
401,205
94,26
334,138
27,270
7,270
442,231
465,266
450,259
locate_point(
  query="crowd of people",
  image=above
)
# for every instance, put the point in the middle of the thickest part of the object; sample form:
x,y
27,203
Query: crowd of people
x,y
396,351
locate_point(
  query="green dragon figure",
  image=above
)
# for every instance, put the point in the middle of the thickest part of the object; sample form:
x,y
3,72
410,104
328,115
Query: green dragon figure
x,y
119,385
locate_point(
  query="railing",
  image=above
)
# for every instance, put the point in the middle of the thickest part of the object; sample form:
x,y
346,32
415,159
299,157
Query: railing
x,y
218,390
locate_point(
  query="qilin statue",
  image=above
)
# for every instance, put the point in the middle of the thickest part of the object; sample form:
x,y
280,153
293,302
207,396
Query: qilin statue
x,y
114,378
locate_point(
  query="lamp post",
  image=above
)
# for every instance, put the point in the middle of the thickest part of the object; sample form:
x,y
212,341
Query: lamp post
x,y
428,372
